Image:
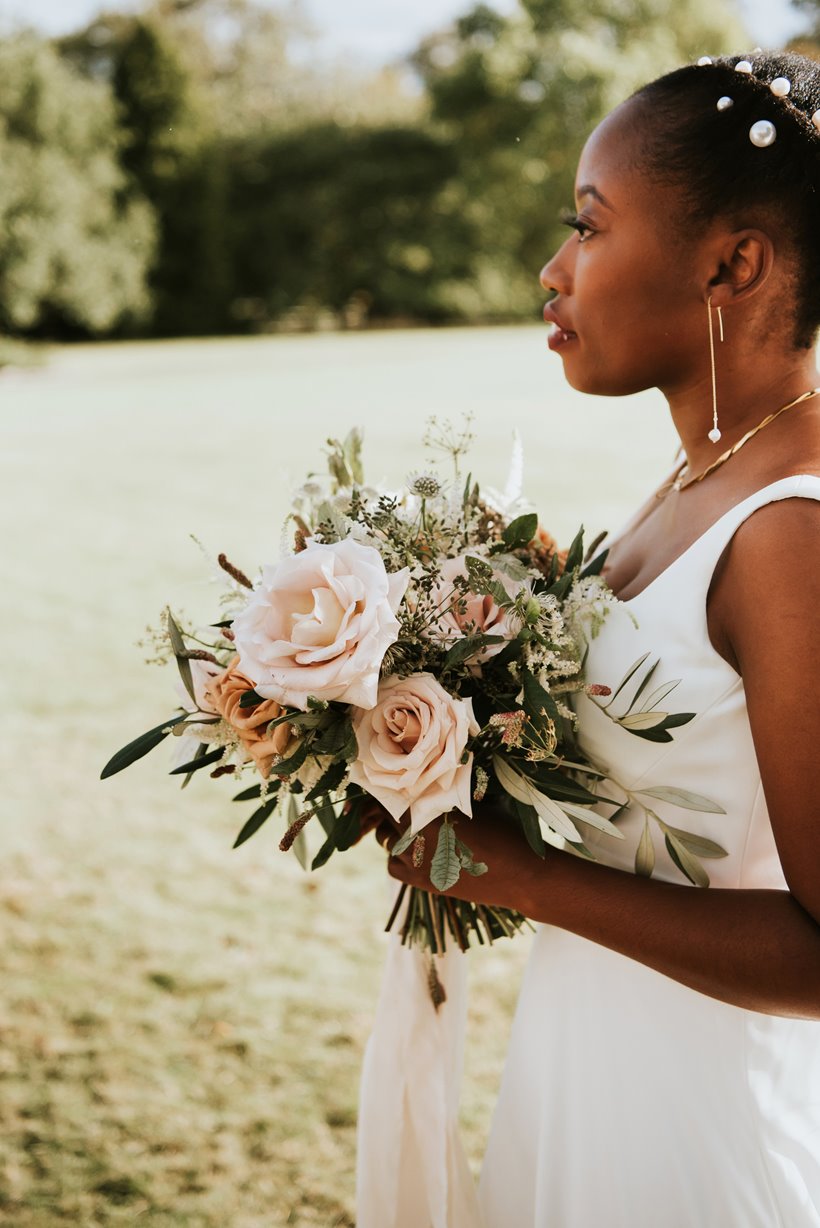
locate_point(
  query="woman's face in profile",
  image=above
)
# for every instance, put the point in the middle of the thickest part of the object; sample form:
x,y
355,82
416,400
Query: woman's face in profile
x,y
629,311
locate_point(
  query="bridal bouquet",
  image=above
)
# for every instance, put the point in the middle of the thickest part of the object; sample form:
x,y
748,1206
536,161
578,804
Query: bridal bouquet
x,y
412,651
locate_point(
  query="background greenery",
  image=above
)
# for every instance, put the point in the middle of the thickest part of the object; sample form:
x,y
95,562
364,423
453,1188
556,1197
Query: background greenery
x,y
192,169
182,1025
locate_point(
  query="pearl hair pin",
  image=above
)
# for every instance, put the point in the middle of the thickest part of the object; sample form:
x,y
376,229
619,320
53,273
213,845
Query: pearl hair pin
x,y
704,60
762,133
780,87
725,102
743,66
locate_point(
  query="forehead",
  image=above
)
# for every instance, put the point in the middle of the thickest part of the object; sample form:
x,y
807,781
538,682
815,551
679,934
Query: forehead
x,y
611,159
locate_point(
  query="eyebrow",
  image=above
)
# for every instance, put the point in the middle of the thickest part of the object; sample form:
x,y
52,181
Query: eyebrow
x,y
589,189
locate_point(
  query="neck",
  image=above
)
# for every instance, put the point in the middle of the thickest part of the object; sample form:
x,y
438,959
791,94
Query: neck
x,y
749,388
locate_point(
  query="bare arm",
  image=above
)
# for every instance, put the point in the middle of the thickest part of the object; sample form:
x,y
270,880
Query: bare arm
x,y
759,949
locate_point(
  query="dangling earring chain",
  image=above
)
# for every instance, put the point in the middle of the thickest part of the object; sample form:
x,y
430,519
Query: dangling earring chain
x,y
714,434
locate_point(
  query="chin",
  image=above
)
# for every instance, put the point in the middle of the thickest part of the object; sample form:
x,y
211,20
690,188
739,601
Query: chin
x,y
598,383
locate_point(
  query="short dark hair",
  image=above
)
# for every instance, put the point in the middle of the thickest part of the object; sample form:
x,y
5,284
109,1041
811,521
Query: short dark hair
x,y
707,154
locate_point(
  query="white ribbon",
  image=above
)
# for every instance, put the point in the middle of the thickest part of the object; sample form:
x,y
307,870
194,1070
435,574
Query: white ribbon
x,y
411,1168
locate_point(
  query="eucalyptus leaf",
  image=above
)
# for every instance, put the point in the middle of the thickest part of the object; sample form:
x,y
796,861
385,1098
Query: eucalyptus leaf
x,y
445,867
644,683
584,815
523,790
699,845
596,566
248,794
330,780
403,843
198,762
178,649
684,798
633,669
530,827
511,566
260,816
686,862
300,849
139,747
642,720
201,750
659,694
645,852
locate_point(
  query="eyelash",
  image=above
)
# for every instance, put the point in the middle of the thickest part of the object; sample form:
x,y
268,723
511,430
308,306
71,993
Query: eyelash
x,y
569,218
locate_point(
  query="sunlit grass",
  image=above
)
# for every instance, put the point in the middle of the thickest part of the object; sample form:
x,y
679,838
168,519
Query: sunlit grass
x,y
182,1025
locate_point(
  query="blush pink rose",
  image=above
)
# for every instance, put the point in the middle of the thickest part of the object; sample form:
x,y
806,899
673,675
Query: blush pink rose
x,y
469,613
319,624
411,746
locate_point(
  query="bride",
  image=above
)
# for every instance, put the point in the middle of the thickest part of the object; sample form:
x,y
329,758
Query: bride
x,y
664,1063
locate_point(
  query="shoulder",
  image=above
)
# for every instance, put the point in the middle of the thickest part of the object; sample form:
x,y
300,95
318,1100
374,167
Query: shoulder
x,y
768,577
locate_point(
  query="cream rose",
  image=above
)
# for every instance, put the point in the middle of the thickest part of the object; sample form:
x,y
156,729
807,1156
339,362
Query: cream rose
x,y
319,624
469,613
411,746
223,693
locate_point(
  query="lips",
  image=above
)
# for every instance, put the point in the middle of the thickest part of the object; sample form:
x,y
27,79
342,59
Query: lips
x,y
560,334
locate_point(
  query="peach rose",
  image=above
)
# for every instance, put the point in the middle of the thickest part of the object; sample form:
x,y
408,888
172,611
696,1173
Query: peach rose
x,y
223,693
411,746
320,624
469,613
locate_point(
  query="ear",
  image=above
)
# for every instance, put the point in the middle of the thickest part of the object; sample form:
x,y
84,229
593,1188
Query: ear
x,y
744,260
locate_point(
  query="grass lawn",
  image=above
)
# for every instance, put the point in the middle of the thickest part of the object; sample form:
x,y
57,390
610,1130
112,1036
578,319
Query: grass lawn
x,y
181,1025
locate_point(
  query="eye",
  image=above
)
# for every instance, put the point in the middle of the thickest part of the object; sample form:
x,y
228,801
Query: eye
x,y
568,218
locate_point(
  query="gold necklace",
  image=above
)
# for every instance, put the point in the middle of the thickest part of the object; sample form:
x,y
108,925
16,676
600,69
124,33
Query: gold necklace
x,y
678,483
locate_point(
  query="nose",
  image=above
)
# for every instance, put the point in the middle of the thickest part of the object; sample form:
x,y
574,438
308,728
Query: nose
x,y
556,275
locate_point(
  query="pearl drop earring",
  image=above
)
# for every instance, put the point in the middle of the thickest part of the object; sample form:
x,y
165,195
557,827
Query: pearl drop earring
x,y
714,434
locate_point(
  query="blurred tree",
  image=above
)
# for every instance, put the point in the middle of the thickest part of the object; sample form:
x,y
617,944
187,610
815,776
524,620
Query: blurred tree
x,y
75,249
363,221
518,96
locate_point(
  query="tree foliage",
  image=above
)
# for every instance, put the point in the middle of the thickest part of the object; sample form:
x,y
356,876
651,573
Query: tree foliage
x,y
75,251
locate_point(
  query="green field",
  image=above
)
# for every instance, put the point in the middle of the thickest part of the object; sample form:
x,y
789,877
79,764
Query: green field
x,y
181,1025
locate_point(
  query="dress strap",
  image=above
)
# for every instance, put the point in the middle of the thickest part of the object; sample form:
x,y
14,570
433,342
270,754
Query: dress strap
x,y
684,586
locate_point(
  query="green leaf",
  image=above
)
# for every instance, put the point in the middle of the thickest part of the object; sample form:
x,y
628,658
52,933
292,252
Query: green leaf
x,y
635,721
248,794
337,739
468,861
445,867
511,566
684,798
521,531
575,554
633,669
584,815
659,694
139,747
178,647
685,861
199,761
328,782
292,764
644,684
552,818
530,826
201,750
468,646
645,853
699,845
403,843
596,566
537,701
255,821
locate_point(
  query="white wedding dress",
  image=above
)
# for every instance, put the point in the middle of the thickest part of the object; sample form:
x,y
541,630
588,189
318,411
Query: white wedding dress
x,y
629,1100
